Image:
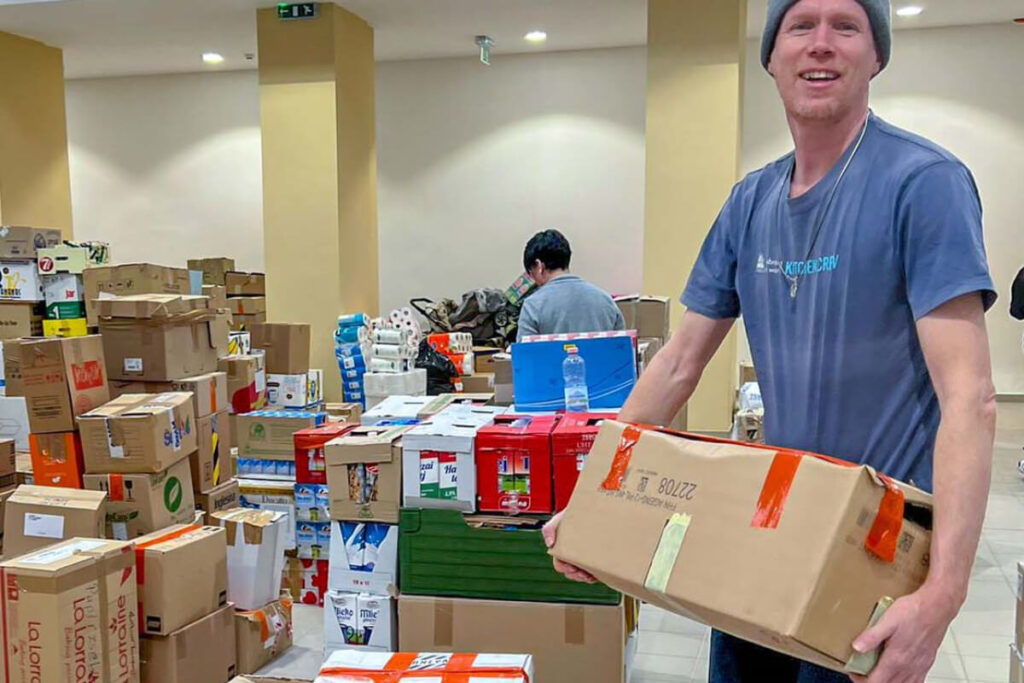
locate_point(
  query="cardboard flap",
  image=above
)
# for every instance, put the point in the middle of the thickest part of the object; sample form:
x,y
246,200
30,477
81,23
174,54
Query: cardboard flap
x,y
365,444
149,306
53,496
252,522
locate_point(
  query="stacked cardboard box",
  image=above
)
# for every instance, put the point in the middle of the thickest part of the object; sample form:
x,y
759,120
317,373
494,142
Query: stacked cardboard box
x,y
184,613
132,278
21,289
61,271
246,294
364,476
39,516
60,380
290,382
514,465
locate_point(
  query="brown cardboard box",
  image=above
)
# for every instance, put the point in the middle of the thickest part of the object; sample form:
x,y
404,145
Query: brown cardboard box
x,y
218,295
139,504
62,378
242,322
245,284
18,242
24,468
646,349
286,346
747,373
247,305
73,587
218,499
202,652
380,446
183,572
8,459
209,391
13,381
19,319
502,363
648,315
138,433
150,306
483,358
38,516
344,412
131,278
479,383
781,560
268,434
262,635
247,382
213,269
568,642
211,462
164,349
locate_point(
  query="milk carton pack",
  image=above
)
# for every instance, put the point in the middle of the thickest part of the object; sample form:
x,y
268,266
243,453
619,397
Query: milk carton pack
x,y
364,557
313,540
361,621
312,502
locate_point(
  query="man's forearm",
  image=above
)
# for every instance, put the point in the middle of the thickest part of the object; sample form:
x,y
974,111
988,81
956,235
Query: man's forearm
x,y
962,472
660,393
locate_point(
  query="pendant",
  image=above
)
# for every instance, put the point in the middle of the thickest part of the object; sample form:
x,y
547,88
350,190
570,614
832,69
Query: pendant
x,y
792,289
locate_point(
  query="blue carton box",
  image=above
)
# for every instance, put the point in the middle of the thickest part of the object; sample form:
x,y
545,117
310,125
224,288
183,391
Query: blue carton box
x,y
537,371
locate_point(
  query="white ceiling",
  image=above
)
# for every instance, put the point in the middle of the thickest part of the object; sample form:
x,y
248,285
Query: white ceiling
x,y
123,37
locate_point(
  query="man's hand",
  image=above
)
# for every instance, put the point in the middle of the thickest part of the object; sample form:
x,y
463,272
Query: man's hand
x,y
550,532
911,631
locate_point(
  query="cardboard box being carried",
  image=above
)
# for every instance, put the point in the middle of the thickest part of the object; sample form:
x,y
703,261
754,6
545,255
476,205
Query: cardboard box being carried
x,y
21,242
364,474
223,497
133,278
568,642
139,504
84,587
286,346
38,516
256,544
201,652
183,576
213,269
262,635
344,666
160,338
138,433
20,320
62,378
785,549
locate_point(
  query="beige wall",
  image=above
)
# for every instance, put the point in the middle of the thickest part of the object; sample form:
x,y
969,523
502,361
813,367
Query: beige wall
x,y
34,177
960,87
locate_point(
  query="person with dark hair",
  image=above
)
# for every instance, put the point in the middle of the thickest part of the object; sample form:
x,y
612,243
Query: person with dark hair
x,y
565,303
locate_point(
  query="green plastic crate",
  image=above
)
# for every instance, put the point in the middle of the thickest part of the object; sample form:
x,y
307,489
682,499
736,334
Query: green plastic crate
x,y
65,310
440,555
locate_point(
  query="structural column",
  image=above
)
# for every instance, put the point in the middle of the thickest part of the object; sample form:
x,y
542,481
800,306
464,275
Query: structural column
x,y
319,172
695,54
35,184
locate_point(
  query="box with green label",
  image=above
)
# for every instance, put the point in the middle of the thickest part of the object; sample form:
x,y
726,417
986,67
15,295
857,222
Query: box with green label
x,y
139,504
443,553
65,310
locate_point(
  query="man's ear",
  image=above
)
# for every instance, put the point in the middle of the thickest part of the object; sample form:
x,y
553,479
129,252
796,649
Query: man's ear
x,y
769,69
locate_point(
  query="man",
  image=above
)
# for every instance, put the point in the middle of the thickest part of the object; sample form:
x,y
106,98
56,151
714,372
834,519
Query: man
x,y
565,303
857,262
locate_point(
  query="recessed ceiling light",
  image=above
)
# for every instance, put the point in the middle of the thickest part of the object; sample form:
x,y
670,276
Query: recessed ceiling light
x,y
213,58
910,11
536,36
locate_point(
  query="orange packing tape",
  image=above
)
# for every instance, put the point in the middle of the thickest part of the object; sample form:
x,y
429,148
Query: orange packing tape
x,y
623,454
457,669
116,485
775,490
214,408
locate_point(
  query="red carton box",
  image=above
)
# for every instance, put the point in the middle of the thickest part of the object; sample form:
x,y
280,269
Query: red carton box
x,y
513,464
310,465
570,443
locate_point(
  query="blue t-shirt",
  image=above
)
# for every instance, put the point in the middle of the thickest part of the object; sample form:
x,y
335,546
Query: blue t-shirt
x,y
840,366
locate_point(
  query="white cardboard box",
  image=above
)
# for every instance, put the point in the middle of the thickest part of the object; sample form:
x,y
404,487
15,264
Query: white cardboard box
x,y
14,421
19,281
413,383
62,288
438,461
264,494
359,621
397,408
355,547
288,391
255,554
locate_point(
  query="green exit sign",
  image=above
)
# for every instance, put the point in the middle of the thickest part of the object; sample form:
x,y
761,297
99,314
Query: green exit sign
x,y
298,10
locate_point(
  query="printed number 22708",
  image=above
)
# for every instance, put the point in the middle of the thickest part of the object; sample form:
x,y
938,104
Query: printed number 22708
x,y
677,489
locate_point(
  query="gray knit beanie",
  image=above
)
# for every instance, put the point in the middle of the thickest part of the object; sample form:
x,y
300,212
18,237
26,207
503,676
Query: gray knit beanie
x,y
879,14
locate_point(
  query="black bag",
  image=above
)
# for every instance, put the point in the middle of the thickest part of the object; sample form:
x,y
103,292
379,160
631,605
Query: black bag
x,y
441,372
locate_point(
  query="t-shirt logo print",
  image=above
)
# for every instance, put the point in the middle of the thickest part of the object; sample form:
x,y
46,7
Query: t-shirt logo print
x,y
760,263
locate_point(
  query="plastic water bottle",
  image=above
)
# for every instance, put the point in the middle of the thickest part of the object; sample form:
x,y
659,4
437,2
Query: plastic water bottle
x,y
574,372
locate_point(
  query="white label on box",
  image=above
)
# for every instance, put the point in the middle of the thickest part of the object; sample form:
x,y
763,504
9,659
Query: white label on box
x,y
44,526
120,530
261,381
133,365
57,554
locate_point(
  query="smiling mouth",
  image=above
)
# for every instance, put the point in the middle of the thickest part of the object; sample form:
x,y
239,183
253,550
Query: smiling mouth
x,y
821,76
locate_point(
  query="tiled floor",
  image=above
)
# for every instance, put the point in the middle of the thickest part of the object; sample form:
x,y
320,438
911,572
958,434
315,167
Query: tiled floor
x,y
672,649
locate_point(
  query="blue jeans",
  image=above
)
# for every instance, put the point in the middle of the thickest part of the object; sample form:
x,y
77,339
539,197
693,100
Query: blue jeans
x,y
737,661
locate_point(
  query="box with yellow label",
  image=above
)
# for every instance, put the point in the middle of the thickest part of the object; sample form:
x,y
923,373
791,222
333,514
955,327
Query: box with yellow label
x,y
73,327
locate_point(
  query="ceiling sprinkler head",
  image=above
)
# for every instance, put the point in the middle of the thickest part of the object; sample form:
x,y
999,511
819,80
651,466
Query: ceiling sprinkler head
x,y
485,43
